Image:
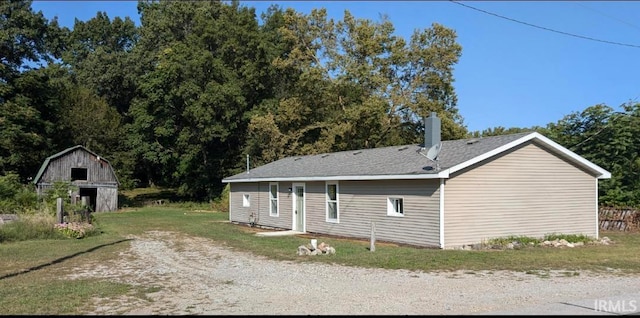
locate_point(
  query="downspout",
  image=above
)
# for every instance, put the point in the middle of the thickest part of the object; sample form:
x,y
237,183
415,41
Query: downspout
x,y
441,213
230,200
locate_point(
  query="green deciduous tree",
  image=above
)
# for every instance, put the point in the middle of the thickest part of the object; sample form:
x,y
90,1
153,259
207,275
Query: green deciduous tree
x,y
104,72
180,100
611,140
28,130
25,36
90,121
28,96
206,63
354,84
99,53
499,130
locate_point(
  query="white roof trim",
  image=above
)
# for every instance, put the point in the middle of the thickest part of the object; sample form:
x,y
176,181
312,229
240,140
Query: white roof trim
x,y
443,174
603,174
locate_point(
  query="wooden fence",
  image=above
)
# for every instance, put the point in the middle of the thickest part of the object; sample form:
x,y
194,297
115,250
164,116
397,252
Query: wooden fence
x,y
619,219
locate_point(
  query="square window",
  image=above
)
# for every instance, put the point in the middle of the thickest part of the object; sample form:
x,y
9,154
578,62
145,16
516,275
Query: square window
x,y
395,207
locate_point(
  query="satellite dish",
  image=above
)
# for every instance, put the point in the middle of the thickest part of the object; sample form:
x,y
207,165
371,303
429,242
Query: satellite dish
x,y
434,151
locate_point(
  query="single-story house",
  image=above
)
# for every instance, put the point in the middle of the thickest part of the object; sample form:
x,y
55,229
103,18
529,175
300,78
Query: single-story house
x,y
92,174
442,194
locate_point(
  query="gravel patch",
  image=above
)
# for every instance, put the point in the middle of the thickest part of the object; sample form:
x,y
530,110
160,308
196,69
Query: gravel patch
x,y
198,277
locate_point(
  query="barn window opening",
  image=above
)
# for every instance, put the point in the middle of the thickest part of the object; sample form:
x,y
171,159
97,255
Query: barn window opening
x,y
78,174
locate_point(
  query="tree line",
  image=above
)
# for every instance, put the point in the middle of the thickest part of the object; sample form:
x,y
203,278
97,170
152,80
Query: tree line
x,y
180,100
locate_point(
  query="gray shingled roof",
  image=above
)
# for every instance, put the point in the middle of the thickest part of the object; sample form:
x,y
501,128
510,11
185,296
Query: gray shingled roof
x,y
396,160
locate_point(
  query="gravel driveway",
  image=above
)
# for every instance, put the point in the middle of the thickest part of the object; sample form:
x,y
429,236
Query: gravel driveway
x,y
199,277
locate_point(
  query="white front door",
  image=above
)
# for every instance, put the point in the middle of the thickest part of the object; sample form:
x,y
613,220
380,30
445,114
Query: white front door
x,y
298,207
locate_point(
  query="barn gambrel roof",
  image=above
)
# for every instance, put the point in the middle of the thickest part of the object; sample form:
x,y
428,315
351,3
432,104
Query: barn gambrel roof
x,y
46,162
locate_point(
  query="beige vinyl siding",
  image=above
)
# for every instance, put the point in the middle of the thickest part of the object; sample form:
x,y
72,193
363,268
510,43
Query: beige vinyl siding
x,y
285,206
363,202
527,191
259,204
237,212
314,205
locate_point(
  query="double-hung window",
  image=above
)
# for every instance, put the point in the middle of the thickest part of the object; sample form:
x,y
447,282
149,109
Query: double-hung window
x,y
273,199
332,202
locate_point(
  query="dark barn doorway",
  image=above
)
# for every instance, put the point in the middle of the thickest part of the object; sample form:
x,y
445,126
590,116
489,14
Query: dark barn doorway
x,y
92,193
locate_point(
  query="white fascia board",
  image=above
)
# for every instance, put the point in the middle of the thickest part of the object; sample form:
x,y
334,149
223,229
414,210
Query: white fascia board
x,y
603,174
443,174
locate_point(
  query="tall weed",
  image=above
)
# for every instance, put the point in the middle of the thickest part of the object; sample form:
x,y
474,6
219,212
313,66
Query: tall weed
x,y
29,227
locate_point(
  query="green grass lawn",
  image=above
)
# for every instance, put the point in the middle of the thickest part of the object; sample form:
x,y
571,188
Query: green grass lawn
x,y
30,271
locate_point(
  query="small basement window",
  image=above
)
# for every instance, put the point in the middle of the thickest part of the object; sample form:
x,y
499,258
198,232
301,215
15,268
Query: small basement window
x,y
78,174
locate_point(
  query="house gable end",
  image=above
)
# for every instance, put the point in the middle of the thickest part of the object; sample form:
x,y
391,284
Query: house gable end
x,y
545,142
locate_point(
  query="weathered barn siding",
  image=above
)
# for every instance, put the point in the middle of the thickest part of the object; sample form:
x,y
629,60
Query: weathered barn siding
x,y
100,176
98,171
107,199
526,191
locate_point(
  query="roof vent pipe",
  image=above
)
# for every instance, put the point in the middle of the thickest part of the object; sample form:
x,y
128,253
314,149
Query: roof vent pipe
x,y
431,131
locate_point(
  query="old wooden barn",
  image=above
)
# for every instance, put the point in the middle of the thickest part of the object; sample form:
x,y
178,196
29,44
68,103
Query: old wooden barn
x,y
90,173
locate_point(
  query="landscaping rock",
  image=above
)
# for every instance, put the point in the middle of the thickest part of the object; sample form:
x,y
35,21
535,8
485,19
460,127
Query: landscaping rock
x,y
303,250
322,249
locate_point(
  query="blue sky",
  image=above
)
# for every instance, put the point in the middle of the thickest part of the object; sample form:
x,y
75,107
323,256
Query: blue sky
x,y
510,74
